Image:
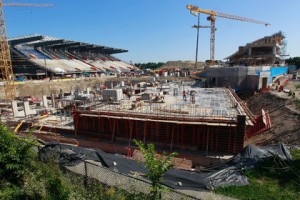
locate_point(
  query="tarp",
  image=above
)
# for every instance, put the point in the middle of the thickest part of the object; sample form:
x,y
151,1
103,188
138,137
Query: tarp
x,y
226,174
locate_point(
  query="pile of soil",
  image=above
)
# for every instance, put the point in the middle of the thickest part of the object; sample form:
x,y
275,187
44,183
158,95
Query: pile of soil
x,y
285,118
182,65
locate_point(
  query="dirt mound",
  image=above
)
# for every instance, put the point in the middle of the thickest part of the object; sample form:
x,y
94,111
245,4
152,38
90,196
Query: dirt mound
x,y
266,101
40,88
182,64
285,119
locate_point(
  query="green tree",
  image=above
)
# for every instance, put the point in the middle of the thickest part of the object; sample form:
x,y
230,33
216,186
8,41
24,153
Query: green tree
x,y
149,65
15,155
293,61
157,166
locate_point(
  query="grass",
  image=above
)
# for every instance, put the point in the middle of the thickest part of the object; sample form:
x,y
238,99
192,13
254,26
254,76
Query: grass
x,y
272,179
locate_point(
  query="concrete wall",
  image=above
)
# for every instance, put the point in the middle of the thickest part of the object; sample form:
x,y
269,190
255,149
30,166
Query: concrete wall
x,y
262,77
244,77
115,94
239,78
217,77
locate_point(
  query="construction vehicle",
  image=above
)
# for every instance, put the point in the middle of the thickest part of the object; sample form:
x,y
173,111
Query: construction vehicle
x,y
212,18
5,59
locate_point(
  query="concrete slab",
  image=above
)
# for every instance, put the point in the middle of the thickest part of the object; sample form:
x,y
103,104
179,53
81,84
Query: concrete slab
x,y
210,102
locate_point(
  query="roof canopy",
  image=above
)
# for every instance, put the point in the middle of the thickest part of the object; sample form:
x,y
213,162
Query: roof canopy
x,y
36,40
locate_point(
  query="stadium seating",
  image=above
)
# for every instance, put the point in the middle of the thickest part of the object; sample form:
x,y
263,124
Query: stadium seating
x,y
59,57
32,53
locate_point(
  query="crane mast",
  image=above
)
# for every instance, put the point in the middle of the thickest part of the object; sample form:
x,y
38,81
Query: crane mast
x,y
5,59
212,18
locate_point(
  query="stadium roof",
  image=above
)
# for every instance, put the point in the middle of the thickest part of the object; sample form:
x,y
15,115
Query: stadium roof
x,y
36,40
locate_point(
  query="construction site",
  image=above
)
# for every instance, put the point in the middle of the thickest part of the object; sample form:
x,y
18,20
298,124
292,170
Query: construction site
x,y
82,94
178,110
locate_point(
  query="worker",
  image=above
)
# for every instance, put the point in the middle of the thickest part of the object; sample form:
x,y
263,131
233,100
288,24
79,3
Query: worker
x,y
184,95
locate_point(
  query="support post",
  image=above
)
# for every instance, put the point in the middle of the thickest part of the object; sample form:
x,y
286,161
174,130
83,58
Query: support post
x,y
197,41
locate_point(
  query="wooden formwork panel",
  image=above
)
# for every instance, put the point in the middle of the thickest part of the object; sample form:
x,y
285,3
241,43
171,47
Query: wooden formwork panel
x,y
168,135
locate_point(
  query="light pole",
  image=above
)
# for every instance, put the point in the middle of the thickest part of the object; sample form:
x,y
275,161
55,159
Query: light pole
x,y
45,67
198,27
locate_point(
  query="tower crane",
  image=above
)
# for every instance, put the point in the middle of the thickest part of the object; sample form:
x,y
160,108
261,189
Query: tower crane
x,y
212,18
5,59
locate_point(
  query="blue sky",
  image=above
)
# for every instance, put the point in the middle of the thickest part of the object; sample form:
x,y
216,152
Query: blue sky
x,y
156,30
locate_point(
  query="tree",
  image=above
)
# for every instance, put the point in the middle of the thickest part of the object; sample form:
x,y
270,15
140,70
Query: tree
x,y
157,167
293,61
149,65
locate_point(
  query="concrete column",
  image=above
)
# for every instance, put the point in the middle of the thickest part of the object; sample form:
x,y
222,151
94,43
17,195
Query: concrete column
x,y
61,94
26,108
60,115
274,50
45,101
53,100
88,90
14,107
239,135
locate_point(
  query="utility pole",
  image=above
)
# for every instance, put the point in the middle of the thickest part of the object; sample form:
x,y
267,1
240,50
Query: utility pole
x,y
196,60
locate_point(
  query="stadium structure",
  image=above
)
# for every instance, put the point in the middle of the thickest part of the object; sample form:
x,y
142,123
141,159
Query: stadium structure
x,y
38,56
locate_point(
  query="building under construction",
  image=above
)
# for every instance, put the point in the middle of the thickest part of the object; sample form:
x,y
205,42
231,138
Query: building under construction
x,y
264,51
211,119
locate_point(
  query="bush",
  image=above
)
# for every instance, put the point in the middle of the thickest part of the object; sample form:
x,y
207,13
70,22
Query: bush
x,y
16,154
157,167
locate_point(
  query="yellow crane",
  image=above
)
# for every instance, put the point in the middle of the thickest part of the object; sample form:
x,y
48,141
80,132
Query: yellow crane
x,y
5,59
212,18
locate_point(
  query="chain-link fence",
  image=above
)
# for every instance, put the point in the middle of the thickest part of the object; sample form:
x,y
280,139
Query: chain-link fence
x,y
125,182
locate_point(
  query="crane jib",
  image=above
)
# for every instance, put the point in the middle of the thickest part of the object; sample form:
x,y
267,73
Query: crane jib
x,y
224,15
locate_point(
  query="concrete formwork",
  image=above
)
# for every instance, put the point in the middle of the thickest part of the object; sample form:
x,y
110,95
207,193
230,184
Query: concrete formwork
x,y
213,135
214,122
